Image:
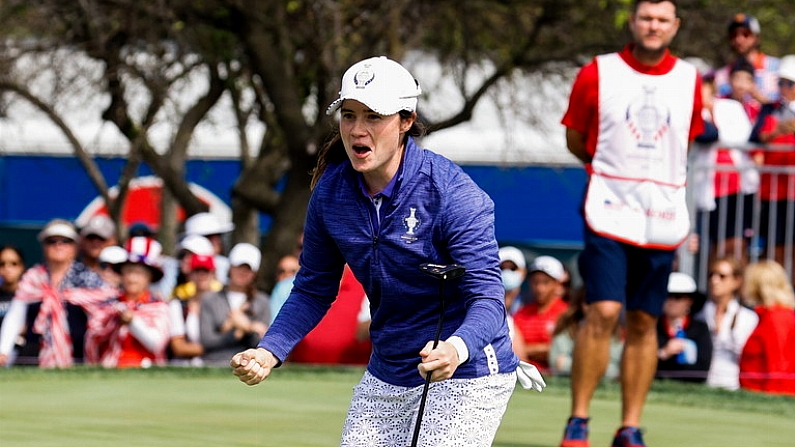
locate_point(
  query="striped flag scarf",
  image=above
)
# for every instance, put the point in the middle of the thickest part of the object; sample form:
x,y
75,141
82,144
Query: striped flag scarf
x,y
56,341
106,333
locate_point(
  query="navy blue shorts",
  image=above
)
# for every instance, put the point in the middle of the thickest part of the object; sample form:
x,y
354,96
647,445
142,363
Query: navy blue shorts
x,y
634,276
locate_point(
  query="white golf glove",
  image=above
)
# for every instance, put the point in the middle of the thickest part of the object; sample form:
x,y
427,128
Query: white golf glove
x,y
529,377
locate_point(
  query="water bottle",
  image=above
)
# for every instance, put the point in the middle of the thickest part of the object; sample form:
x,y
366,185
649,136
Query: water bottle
x,y
681,358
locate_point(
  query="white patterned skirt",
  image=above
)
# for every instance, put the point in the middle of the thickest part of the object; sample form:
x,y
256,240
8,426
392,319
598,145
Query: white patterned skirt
x,y
458,412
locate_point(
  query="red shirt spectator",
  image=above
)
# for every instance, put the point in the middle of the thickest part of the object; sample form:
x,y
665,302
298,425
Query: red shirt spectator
x,y
535,322
768,359
333,340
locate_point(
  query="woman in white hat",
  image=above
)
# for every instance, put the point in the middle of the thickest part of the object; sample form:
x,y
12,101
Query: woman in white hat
x,y
61,293
237,317
131,330
384,206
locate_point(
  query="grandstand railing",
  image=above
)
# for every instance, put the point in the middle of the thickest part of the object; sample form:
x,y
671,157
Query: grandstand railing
x,y
751,247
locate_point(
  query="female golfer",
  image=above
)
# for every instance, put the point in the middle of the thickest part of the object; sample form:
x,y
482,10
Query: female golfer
x,y
385,206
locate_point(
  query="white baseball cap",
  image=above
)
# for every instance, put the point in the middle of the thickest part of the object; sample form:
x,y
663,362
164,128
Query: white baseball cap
x,y
681,283
205,224
548,265
381,84
786,69
58,227
198,245
113,255
101,226
514,255
245,253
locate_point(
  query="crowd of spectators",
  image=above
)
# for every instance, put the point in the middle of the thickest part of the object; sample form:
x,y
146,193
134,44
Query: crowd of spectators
x,y
100,298
731,337
96,299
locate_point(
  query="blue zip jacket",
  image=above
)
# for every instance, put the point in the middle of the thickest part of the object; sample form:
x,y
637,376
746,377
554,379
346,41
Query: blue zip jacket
x,y
437,214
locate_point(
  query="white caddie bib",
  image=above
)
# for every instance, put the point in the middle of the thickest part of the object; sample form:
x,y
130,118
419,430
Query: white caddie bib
x,y
636,193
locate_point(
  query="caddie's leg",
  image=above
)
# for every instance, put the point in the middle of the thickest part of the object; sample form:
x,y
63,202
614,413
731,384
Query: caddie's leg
x,y
638,365
592,353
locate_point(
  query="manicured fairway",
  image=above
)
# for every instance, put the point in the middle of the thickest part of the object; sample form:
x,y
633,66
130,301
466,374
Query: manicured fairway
x,y
304,406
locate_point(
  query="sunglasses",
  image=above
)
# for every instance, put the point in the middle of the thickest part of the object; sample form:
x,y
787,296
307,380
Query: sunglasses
x,y
105,265
720,275
785,83
58,241
95,238
740,32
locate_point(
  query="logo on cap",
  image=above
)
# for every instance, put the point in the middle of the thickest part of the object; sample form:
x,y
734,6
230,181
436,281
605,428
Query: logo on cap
x,y
363,77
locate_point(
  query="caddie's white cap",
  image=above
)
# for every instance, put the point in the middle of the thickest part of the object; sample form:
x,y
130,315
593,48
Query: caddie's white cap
x,y
245,253
548,265
514,255
381,84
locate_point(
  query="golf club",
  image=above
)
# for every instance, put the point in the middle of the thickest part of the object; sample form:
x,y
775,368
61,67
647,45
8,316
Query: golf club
x,y
443,273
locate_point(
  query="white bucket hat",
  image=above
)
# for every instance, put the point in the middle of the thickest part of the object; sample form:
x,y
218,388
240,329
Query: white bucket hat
x,y
381,84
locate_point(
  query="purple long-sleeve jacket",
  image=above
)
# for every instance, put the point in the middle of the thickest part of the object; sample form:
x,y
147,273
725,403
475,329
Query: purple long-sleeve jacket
x,y
436,214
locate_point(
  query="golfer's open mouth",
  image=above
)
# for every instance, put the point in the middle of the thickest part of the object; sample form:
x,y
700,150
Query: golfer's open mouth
x,y
361,150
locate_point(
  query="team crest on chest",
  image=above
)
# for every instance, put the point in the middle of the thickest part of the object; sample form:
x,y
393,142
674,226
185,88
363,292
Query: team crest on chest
x,y
647,120
411,223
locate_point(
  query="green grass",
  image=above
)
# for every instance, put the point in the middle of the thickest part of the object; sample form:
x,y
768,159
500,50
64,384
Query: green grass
x,y
305,406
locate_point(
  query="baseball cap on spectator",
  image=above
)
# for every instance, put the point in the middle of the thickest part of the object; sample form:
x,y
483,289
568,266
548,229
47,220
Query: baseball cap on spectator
x,y
549,265
197,244
112,255
145,251
245,254
205,224
682,284
202,262
58,227
381,84
514,255
786,69
743,20
101,226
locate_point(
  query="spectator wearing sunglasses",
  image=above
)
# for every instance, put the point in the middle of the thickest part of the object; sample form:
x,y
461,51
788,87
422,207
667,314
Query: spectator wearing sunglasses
x,y
767,363
730,323
55,300
97,234
745,38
